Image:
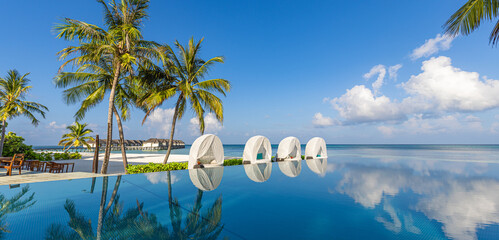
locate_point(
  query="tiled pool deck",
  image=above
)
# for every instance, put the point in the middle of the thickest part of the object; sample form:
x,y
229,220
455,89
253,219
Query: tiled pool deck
x,y
30,177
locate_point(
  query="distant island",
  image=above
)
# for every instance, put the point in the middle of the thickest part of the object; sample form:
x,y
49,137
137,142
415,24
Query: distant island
x,y
149,144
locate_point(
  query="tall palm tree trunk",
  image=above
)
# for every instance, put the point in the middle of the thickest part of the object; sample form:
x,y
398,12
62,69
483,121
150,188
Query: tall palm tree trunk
x,y
3,138
110,119
122,139
174,121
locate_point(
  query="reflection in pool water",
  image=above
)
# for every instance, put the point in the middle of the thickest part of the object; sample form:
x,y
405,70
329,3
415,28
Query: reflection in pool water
x,y
382,196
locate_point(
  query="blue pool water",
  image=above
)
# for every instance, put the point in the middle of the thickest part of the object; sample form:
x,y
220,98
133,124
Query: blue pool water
x,y
360,192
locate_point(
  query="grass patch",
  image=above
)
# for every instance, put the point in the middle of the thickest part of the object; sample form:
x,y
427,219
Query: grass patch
x,y
155,167
233,162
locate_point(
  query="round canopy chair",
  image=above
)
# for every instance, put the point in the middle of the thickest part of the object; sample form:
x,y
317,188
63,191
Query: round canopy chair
x,y
290,168
206,179
257,150
258,172
318,165
289,148
316,148
206,151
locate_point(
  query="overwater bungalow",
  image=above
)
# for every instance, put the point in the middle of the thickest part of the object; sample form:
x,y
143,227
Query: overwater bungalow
x,y
149,144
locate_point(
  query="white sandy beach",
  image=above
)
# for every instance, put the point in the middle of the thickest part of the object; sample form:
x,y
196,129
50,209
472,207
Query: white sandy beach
x,y
116,162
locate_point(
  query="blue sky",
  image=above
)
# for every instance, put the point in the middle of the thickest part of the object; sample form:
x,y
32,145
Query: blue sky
x,y
298,68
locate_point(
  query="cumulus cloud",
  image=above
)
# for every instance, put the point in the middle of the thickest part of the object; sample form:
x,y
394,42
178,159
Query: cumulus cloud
x,y
432,46
359,105
211,124
321,121
160,121
434,95
386,130
380,70
54,126
393,71
443,87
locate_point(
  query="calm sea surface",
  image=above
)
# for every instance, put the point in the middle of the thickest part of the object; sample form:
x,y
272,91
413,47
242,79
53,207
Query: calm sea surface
x,y
359,192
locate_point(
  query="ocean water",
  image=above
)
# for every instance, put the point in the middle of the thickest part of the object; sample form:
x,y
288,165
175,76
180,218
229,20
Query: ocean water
x,y
358,192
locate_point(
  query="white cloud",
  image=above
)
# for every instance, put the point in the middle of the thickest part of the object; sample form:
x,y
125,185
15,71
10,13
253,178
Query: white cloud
x,y
380,70
386,130
321,121
435,96
443,87
211,124
393,70
432,46
359,105
160,121
54,126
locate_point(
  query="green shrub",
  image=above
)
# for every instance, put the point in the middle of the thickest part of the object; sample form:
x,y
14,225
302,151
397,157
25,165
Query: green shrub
x,y
302,157
232,162
155,167
15,144
75,155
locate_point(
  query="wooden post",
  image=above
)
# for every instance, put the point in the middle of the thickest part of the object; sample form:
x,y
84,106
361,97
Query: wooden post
x,y
95,165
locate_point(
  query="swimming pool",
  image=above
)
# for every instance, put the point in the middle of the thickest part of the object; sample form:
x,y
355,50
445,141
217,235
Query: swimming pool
x,y
373,194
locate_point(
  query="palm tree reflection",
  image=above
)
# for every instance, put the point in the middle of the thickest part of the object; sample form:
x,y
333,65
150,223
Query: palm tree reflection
x,y
136,223
12,205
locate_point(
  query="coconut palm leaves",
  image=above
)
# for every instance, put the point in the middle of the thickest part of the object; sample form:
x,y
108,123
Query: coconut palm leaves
x,y
469,17
13,91
182,76
77,136
121,42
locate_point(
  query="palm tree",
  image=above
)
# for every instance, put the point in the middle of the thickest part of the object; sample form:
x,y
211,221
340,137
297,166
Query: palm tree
x,y
122,42
77,136
470,16
13,91
89,84
183,77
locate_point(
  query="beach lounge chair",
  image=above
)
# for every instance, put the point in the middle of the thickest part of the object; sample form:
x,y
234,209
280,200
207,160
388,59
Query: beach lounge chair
x,y
289,149
16,163
316,148
257,150
206,151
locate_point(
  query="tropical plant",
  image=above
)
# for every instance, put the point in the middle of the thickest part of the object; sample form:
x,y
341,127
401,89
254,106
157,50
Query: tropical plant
x,y
182,77
156,167
77,136
13,90
121,42
16,203
469,17
89,85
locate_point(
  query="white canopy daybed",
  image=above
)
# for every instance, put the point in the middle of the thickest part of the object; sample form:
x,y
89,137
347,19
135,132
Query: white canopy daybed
x,y
258,172
257,150
206,151
318,165
206,179
290,168
315,148
289,148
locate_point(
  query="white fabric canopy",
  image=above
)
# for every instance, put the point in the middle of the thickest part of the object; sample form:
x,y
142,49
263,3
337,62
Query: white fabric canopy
x,y
206,150
258,172
318,165
289,148
316,147
206,179
257,149
290,168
